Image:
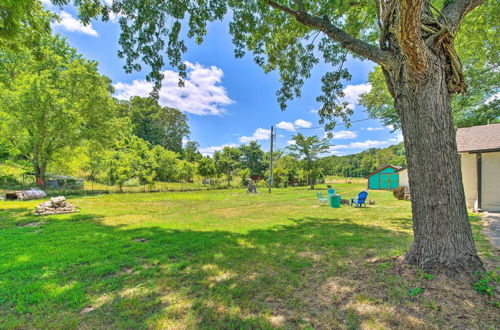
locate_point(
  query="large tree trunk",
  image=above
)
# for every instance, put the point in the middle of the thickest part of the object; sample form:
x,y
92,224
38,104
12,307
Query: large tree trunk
x,y
442,233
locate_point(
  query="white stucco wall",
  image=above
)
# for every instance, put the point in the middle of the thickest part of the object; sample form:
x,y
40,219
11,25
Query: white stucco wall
x,y
469,177
403,178
490,197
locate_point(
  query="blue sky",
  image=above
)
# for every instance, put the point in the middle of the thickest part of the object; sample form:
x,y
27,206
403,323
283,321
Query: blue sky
x,y
229,101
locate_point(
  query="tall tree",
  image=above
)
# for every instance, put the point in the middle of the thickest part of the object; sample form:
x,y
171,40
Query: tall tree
x,y
227,162
191,152
53,99
156,124
415,51
206,167
308,149
253,158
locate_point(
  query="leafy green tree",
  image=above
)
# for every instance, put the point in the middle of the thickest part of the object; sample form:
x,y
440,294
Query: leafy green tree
x,y
166,163
227,162
308,150
143,161
191,152
252,157
185,170
206,168
118,167
94,161
244,174
53,100
156,124
286,170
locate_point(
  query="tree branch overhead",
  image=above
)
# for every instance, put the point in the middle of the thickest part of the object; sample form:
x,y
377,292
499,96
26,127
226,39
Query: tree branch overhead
x,y
347,41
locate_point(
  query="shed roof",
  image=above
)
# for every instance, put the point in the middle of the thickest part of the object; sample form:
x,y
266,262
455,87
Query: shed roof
x,y
479,138
383,168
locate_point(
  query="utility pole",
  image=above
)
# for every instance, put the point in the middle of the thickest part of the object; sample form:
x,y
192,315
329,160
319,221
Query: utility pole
x,y
271,160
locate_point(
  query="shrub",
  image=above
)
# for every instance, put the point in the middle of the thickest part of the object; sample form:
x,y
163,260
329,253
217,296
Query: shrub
x,y
399,193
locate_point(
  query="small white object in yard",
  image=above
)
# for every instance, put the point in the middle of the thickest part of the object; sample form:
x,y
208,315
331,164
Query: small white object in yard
x,y
56,205
371,202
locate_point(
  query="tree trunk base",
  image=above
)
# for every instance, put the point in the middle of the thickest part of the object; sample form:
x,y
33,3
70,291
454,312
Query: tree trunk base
x,y
460,267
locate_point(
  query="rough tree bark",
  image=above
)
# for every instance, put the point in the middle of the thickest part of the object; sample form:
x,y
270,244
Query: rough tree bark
x,y
421,83
442,234
422,70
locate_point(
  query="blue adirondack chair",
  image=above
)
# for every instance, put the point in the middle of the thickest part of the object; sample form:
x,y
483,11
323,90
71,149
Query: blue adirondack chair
x,y
321,199
360,200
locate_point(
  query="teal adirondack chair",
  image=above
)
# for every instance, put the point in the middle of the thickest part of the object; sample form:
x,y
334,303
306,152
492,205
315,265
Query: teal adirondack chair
x,y
322,199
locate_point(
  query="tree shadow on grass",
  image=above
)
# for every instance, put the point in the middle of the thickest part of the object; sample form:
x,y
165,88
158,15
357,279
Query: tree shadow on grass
x,y
77,272
403,223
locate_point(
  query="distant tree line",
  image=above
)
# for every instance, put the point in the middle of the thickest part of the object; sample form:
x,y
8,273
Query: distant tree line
x,y
363,163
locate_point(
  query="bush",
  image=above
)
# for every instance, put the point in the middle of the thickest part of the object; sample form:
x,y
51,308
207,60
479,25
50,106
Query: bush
x,y
399,193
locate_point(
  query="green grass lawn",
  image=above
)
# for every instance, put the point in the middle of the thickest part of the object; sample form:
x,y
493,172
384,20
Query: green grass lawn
x,y
223,259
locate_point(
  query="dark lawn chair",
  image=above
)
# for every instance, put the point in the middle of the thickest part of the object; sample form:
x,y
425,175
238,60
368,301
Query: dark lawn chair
x,y
360,200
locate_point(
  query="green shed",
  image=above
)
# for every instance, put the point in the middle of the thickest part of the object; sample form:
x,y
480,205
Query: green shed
x,y
386,177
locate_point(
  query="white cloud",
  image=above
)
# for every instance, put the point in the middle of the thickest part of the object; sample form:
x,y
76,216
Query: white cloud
x,y
361,145
352,93
71,24
289,126
343,135
292,142
368,144
202,93
374,128
390,128
286,125
208,151
397,139
259,134
303,123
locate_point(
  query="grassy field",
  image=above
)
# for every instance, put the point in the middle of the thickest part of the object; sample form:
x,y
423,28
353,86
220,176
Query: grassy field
x,y
224,259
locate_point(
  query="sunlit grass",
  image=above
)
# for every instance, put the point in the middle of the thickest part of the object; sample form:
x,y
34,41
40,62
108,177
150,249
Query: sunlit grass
x,y
219,259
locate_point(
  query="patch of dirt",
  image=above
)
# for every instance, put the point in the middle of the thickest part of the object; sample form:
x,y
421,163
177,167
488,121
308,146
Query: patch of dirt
x,y
87,309
141,240
31,225
375,293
